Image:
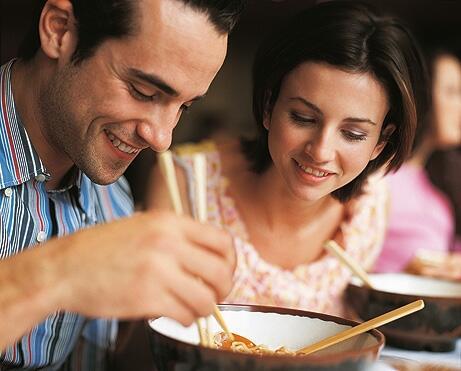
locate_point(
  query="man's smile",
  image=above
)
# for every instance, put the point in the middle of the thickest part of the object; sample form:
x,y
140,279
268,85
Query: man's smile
x,y
119,144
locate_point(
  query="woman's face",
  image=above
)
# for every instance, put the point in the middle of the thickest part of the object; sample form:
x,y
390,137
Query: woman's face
x,y
325,128
446,93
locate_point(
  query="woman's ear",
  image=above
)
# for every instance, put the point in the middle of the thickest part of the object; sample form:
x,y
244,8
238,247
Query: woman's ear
x,y
57,29
385,135
267,111
266,120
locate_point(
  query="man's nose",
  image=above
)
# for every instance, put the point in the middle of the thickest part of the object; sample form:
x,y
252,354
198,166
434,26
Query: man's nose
x,y
157,131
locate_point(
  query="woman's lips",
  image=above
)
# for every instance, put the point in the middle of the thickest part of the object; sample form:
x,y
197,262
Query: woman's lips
x,y
314,171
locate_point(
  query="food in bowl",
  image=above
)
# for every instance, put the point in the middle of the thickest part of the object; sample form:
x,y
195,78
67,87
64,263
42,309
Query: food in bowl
x,y
243,345
177,347
435,328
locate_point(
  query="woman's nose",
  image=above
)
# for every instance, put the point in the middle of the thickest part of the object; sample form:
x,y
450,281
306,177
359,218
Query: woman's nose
x,y
321,147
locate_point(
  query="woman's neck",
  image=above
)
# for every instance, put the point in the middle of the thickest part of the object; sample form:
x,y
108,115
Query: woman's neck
x,y
277,222
278,207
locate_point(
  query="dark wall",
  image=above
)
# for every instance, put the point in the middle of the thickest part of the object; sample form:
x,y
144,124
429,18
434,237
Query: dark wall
x,y
228,103
15,20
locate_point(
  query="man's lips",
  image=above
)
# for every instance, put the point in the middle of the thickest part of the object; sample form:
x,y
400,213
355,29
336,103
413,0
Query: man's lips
x,y
121,145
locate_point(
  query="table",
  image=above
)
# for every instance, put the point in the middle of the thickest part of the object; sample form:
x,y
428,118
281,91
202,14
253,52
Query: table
x,y
451,360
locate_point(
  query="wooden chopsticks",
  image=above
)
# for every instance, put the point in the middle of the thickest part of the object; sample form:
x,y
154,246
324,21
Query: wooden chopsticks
x,y
364,327
337,251
166,164
199,166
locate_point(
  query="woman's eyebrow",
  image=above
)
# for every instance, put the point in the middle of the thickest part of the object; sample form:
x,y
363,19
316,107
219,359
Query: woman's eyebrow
x,y
319,111
308,104
359,119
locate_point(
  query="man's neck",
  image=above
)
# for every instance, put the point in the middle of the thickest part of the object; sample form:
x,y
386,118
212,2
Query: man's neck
x,y
27,85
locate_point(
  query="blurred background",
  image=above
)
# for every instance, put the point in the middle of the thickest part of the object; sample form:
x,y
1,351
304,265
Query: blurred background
x,y
227,107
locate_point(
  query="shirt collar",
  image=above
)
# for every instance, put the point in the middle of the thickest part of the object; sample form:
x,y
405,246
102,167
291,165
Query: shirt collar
x,y
19,161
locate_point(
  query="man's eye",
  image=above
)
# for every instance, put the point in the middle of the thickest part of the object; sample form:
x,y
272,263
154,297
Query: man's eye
x,y
185,108
140,96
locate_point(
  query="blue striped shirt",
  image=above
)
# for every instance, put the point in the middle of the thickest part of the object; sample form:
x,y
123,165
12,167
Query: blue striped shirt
x,y
29,215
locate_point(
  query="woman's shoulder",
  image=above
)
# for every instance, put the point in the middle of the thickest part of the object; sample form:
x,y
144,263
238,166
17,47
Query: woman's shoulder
x,y
233,161
374,197
366,220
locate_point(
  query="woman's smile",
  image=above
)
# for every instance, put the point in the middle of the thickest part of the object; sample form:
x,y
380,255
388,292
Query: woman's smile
x,y
312,174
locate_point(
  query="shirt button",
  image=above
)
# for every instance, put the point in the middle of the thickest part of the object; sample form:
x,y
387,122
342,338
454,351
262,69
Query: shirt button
x,y
41,236
8,192
40,178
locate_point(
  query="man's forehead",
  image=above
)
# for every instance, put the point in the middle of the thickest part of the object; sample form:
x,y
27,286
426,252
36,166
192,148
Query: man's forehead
x,y
181,54
176,12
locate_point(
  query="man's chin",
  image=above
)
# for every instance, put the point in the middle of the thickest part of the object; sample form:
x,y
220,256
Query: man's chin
x,y
104,179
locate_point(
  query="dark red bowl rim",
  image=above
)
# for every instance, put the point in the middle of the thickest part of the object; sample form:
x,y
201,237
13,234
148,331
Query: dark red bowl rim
x,y
311,359
409,296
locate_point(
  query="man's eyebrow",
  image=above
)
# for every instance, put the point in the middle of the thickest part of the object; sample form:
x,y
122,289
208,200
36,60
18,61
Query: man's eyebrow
x,y
158,82
319,111
153,80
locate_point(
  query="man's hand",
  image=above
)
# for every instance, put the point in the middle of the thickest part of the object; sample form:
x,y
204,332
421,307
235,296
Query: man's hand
x,y
151,264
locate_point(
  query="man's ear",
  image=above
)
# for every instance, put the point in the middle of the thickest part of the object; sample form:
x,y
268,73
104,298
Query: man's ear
x,y
385,135
57,29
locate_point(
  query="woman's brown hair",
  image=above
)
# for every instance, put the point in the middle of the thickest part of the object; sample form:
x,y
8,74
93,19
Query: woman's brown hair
x,y
351,37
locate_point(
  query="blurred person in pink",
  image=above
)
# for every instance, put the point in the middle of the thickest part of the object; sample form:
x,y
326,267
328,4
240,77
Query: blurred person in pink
x,y
424,199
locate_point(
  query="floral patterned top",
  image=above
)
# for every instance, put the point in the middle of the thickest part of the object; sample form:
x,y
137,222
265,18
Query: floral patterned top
x,y
317,286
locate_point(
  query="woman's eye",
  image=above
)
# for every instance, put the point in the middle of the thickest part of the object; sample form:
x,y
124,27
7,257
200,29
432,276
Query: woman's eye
x,y
302,119
139,95
350,135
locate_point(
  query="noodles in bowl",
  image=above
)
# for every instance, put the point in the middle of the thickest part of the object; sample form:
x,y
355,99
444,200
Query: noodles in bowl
x,y
242,345
276,334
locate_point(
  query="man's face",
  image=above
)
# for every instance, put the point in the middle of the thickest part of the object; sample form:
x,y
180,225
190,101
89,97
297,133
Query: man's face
x,y
130,95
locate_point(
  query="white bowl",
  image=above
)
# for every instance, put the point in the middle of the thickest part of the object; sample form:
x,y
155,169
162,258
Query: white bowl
x,y
273,327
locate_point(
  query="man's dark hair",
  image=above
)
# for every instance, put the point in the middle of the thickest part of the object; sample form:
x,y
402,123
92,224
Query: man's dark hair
x,y
351,37
100,20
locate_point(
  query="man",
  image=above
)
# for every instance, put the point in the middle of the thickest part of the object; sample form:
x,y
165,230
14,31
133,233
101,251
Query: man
x,y
106,80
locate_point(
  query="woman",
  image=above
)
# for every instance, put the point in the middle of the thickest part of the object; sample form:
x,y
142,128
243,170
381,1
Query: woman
x,y
423,183
337,93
